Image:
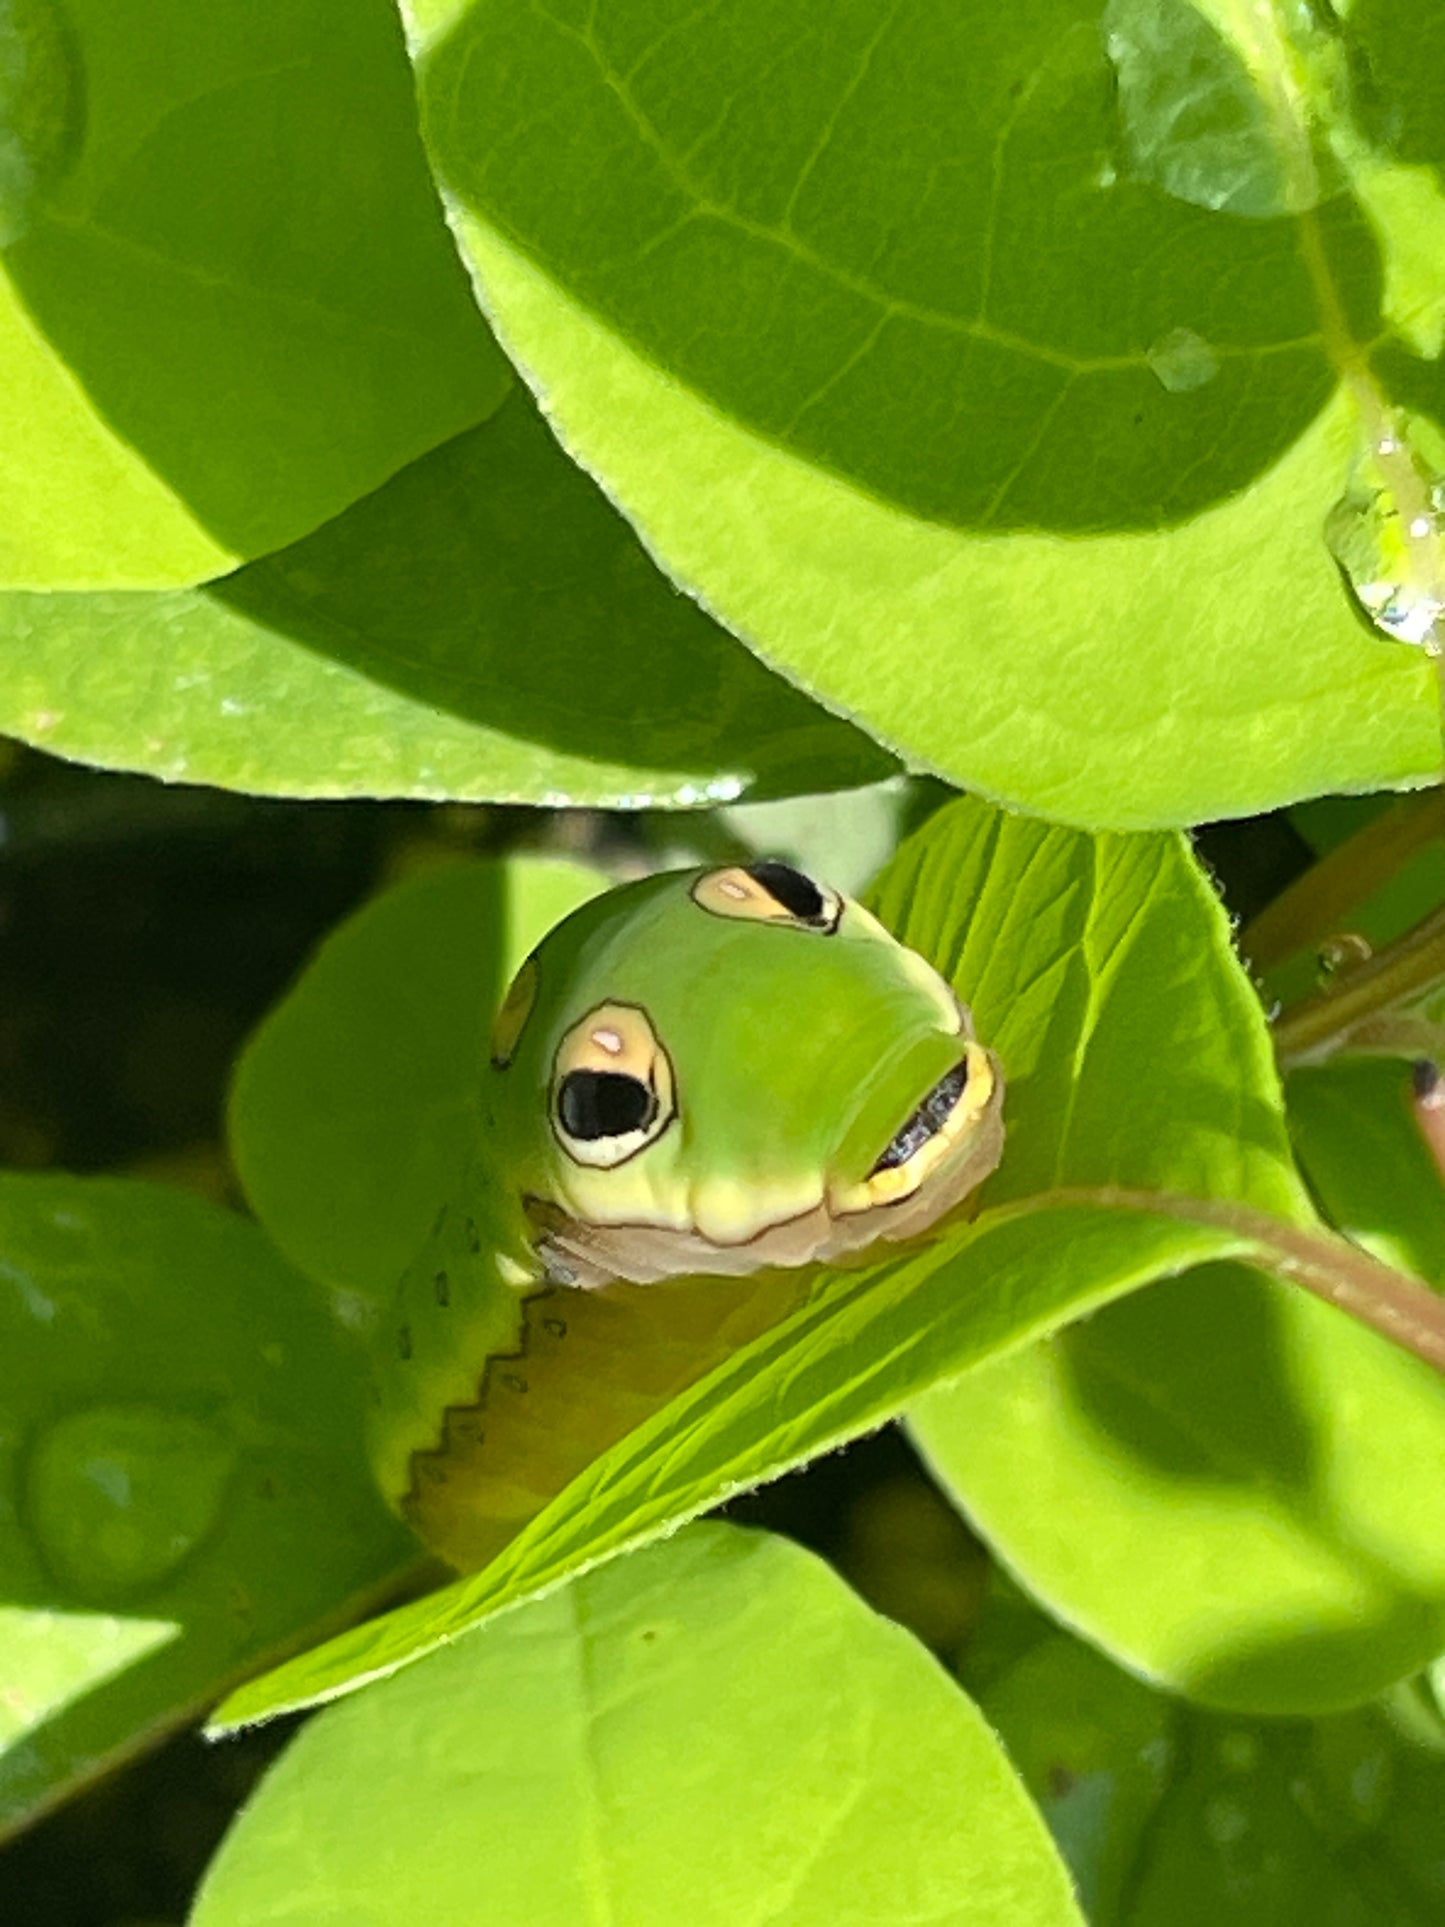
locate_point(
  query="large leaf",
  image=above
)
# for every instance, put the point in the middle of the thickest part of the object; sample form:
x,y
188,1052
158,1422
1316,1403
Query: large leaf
x,y
483,626
181,1490
1078,954
1228,1486
713,1731
927,346
228,306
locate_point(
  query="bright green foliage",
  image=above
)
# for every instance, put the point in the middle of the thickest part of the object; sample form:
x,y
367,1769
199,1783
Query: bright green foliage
x,y
984,434
1228,1486
427,643
1047,399
222,261
1101,969
1123,941
715,1731
180,1487
1263,1469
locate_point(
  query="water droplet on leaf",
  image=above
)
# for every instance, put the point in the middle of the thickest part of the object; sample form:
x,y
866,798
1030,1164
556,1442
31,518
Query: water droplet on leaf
x,y
118,1496
1182,360
1387,532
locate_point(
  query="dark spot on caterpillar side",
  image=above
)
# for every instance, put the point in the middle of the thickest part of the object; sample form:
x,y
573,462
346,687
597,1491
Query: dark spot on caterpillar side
x,y
435,1472
514,1381
442,1286
439,1221
798,894
403,1342
474,1237
557,1327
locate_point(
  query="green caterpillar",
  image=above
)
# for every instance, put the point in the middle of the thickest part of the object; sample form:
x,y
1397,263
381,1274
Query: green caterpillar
x,y
719,1075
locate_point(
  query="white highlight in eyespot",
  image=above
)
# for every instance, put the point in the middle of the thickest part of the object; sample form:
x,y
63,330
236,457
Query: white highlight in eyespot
x,y
609,1041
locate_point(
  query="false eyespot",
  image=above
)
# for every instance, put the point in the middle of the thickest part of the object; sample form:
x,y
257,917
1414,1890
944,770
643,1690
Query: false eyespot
x,y
769,893
613,1090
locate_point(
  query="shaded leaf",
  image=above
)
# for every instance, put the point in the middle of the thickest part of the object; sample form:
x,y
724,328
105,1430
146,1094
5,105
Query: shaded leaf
x,y
859,314
484,626
223,263
182,1494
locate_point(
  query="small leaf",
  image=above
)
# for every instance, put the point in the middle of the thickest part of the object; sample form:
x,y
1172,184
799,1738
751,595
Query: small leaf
x,y
1171,1815
352,1114
1226,1485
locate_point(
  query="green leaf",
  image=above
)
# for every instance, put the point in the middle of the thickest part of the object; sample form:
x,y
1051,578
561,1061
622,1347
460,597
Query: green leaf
x,y
715,1731
1095,1749
1335,1824
484,626
845,838
352,1111
1226,1485
181,1489
231,307
1102,969
863,319
1167,1814
1122,940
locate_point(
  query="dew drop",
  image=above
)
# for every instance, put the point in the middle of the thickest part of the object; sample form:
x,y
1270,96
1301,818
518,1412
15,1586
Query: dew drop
x,y
1387,533
119,1496
1182,360
41,108
1343,952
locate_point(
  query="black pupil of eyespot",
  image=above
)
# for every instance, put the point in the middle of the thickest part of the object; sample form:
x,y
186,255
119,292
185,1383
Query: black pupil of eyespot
x,y
593,1104
799,895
